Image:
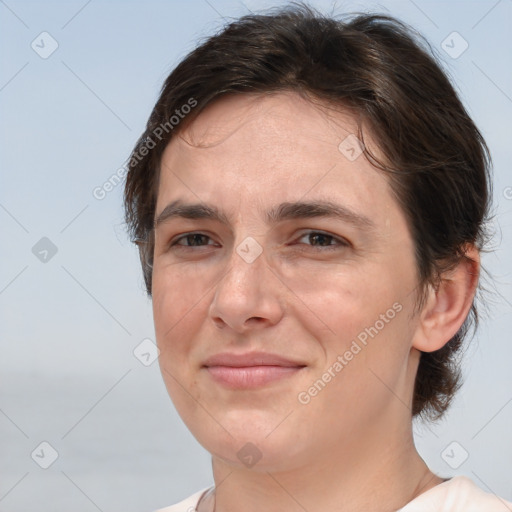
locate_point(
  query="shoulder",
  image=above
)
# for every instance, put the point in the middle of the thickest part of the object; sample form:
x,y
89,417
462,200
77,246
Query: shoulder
x,y
459,494
187,505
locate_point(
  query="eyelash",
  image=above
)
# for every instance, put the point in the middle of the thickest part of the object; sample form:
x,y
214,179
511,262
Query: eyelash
x,y
341,243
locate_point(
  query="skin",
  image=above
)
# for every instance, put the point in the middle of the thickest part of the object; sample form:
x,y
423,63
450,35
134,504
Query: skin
x,y
306,297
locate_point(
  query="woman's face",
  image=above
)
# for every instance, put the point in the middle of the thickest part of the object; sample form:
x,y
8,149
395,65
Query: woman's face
x,y
283,300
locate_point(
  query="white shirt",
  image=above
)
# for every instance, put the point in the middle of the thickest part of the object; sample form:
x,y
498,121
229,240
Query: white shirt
x,y
459,494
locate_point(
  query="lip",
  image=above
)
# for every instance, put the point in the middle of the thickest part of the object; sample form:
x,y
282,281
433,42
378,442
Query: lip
x,y
250,370
250,359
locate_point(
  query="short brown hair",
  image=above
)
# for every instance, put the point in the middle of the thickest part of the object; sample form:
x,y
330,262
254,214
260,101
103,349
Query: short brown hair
x,y
436,159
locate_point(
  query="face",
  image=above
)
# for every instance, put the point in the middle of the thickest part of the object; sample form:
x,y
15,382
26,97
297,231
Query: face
x,y
284,283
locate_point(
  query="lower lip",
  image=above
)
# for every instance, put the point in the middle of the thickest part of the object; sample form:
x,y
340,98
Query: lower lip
x,y
247,377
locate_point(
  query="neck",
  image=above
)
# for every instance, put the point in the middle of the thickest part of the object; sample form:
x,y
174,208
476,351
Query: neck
x,y
358,476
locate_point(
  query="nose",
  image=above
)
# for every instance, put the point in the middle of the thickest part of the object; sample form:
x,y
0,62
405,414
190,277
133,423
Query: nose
x,y
248,296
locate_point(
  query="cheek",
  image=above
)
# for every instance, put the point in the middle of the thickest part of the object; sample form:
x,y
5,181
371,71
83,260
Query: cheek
x,y
176,306
176,310
176,291
340,300
361,317
369,375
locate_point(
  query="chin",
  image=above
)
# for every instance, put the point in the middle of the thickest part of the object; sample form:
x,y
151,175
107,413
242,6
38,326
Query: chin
x,y
251,441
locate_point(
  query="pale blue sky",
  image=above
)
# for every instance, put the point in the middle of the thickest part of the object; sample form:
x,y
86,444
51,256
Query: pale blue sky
x,y
69,326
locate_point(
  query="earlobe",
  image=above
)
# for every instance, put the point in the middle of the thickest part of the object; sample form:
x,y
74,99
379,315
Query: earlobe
x,y
447,306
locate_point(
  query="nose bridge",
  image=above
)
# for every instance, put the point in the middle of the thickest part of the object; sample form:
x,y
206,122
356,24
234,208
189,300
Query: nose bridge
x,y
246,291
246,268
247,258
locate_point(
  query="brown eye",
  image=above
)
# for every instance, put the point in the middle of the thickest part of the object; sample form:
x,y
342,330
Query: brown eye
x,y
192,240
318,239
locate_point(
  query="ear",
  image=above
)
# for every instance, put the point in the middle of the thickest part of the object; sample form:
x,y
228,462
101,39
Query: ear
x,y
447,307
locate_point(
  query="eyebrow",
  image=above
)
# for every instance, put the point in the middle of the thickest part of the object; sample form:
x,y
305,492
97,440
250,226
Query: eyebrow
x,y
284,211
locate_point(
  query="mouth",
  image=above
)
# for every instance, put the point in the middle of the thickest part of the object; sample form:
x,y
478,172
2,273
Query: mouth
x,y
248,371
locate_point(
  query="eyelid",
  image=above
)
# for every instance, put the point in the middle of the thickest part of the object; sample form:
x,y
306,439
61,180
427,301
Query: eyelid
x,y
178,238
340,241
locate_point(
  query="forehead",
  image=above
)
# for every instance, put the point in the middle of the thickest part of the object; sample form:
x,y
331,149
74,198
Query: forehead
x,y
268,148
277,119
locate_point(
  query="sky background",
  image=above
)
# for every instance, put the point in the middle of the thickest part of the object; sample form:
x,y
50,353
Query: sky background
x,y
72,302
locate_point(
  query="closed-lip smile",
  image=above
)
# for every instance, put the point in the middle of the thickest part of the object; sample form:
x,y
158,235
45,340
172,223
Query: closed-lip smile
x,y
251,369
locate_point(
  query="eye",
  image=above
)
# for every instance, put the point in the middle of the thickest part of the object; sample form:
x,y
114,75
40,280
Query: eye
x,y
315,239
319,239
192,240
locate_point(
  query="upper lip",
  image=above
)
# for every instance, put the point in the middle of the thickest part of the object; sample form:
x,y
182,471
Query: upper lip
x,y
250,359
